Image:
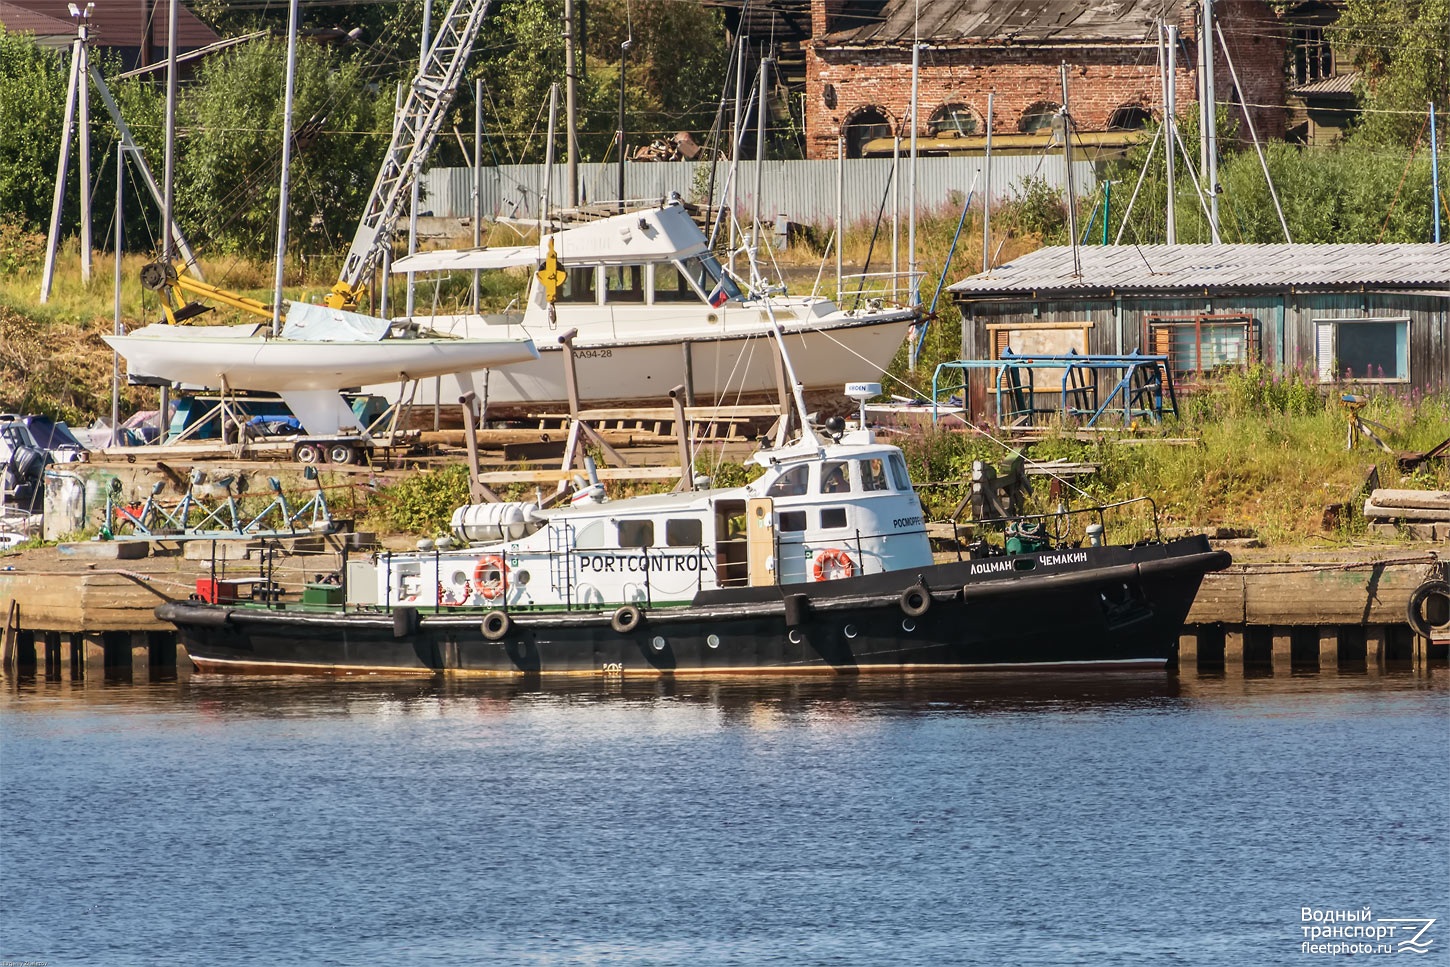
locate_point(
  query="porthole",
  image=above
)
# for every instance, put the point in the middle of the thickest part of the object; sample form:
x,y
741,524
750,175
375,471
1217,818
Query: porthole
x,y
657,643
850,631
794,636
908,626
713,641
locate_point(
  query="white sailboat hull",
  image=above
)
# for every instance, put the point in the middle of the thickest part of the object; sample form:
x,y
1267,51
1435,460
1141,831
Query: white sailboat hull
x,y
281,365
733,359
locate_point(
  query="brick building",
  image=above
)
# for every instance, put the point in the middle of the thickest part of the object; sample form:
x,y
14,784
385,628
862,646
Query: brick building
x,y
858,65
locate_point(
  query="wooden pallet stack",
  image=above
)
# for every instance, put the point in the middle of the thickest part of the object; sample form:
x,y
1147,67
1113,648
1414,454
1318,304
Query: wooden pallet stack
x,y
1423,514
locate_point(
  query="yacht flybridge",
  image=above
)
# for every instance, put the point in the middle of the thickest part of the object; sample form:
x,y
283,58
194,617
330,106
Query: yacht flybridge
x,y
651,308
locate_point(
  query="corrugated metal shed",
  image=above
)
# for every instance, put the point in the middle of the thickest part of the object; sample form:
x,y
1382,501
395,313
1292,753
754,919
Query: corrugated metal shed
x,y
1154,268
1040,21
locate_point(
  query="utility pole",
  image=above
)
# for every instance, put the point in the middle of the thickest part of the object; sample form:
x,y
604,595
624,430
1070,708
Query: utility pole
x,y
1066,115
619,136
1210,120
911,183
1170,120
987,193
571,105
417,188
168,164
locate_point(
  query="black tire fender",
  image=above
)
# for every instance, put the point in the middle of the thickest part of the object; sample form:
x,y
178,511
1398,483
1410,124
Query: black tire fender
x,y
915,601
495,625
626,619
1415,609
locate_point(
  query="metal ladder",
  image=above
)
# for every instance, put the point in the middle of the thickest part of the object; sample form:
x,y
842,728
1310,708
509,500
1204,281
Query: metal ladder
x,y
561,561
418,122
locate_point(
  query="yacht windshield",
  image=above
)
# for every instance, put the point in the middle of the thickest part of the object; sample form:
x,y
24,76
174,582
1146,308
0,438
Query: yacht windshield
x,y
710,276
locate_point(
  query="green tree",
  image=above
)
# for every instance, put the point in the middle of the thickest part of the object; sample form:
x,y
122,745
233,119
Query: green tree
x,y
32,109
1403,48
229,137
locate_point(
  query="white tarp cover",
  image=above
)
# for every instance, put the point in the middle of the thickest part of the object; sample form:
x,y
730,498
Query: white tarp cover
x,y
462,260
306,321
161,330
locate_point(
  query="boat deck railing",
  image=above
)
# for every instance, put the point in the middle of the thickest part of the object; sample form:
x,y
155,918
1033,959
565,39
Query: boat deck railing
x,y
1061,528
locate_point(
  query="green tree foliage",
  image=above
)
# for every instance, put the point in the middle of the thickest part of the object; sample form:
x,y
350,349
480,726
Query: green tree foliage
x,y
1354,192
674,68
229,134
1403,48
32,108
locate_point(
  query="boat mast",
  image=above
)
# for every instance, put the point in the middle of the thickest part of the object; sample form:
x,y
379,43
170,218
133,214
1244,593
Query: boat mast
x,y
571,105
288,90
1170,107
416,195
1210,121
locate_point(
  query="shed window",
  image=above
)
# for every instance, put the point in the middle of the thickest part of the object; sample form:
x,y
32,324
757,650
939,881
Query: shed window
x,y
1313,57
1200,343
1376,350
636,533
686,532
1039,118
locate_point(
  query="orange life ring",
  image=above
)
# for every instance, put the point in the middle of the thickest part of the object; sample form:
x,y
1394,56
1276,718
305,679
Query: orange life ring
x,y
833,563
489,576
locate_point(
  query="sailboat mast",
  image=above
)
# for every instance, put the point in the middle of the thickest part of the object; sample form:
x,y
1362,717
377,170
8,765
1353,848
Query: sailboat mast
x,y
288,91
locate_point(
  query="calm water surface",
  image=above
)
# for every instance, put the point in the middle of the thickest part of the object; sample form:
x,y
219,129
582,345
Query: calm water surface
x,y
923,820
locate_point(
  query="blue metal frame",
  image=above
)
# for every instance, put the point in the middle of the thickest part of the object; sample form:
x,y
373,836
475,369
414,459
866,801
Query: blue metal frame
x,y
1144,384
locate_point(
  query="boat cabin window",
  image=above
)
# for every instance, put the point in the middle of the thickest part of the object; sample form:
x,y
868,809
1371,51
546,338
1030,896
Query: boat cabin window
x,y
687,532
708,274
579,283
791,520
873,475
899,476
591,536
792,483
671,285
836,477
636,533
833,517
624,283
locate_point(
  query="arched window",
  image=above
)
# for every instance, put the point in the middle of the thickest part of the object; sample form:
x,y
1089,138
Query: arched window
x,y
865,124
1130,117
953,120
1040,117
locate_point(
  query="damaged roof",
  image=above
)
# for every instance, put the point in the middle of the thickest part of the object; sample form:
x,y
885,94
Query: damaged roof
x,y
1146,268
987,21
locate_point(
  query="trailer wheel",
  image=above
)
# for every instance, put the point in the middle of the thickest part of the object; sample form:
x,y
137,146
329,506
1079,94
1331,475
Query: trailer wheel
x,y
308,453
341,453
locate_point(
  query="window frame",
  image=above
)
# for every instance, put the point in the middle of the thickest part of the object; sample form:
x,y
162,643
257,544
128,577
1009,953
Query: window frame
x,y
1328,364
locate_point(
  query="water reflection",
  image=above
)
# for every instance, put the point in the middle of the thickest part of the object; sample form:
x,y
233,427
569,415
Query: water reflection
x,y
744,698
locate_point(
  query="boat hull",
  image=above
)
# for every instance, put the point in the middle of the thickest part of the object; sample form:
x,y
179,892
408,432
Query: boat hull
x,y
1121,607
281,365
727,367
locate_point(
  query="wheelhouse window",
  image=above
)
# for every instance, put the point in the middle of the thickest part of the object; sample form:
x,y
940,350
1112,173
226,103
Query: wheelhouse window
x,y
636,533
684,532
579,285
791,521
591,536
835,477
624,283
1374,350
873,475
712,279
792,483
671,284
833,517
899,476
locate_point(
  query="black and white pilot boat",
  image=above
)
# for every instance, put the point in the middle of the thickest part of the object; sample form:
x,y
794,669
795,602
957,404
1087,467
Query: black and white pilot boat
x,y
822,564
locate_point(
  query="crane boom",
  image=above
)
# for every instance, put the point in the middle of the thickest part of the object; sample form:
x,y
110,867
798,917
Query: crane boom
x,y
415,129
